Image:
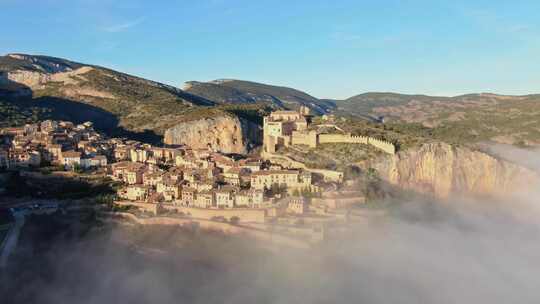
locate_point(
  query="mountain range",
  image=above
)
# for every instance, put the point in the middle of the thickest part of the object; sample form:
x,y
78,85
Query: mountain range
x,y
33,86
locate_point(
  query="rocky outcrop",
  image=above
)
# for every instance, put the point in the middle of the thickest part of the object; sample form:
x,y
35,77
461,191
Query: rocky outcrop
x,y
441,169
37,80
224,133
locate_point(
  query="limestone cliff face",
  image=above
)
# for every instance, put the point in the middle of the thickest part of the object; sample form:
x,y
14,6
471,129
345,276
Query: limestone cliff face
x,y
224,133
441,169
37,79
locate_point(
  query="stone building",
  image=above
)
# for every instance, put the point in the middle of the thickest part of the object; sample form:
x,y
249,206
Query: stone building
x,y
296,205
204,199
171,190
188,196
135,192
290,128
278,129
225,197
290,179
70,158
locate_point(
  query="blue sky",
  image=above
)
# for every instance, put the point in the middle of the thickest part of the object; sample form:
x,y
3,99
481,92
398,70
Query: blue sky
x,y
330,49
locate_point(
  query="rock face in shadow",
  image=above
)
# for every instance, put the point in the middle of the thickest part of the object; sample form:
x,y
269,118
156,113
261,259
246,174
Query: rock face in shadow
x,y
224,133
440,169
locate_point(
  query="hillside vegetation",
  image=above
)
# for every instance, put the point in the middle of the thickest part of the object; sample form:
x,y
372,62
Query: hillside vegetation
x,y
462,120
39,87
239,91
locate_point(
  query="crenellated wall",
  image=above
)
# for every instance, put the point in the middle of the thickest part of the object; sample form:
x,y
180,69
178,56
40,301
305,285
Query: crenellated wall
x,y
342,138
383,145
275,135
347,138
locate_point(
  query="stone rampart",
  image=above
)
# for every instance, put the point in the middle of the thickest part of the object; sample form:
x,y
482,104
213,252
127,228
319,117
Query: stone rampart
x,y
244,215
262,235
338,203
347,138
342,138
150,207
382,145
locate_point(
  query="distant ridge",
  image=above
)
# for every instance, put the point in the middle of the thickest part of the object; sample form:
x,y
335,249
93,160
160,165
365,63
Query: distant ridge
x,y
241,91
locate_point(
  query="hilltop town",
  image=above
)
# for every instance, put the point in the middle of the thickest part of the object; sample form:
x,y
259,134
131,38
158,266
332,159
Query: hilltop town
x,y
197,184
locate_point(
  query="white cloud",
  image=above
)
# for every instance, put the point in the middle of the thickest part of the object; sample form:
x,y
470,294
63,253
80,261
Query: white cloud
x,y
120,27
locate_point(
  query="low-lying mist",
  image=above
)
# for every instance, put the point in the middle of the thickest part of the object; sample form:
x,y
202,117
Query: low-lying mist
x,y
422,252
460,250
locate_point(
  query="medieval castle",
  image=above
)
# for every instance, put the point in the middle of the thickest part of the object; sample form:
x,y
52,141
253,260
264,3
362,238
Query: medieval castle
x,y
289,128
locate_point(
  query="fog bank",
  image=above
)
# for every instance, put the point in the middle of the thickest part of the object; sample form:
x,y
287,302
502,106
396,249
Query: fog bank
x,y
460,250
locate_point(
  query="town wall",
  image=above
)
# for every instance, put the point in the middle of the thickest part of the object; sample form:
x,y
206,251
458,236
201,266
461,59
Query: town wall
x,y
383,145
311,139
343,138
245,215
338,203
149,207
267,237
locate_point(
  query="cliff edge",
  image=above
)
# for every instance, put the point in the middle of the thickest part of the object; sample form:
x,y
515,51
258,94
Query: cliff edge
x,y
225,134
441,169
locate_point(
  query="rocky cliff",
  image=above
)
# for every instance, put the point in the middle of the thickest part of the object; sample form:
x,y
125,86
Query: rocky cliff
x,y
223,133
441,169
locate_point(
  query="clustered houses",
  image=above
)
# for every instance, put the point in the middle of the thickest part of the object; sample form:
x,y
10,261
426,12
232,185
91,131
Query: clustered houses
x,y
180,176
55,142
201,178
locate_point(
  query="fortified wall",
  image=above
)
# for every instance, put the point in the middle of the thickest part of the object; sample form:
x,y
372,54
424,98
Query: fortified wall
x,y
286,128
313,140
269,238
244,215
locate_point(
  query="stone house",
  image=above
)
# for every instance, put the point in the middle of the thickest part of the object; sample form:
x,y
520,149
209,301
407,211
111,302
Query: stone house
x,y
256,198
249,198
139,155
94,162
152,178
252,166
54,152
296,205
233,176
171,190
134,176
202,185
188,196
23,158
225,197
128,172
166,154
204,199
175,173
121,153
70,158
135,192
283,178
